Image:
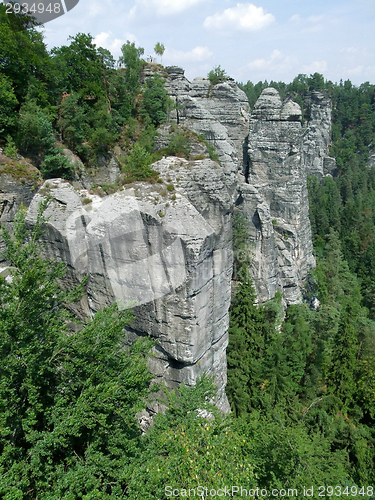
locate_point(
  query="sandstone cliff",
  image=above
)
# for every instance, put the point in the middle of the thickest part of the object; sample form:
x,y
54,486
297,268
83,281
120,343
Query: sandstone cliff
x,y
220,113
273,154
317,136
166,252
275,199
166,249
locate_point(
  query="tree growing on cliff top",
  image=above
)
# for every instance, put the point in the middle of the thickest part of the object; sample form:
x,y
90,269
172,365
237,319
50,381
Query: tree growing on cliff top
x,y
159,50
217,75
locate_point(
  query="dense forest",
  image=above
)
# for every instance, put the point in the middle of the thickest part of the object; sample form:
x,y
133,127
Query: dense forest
x,y
301,383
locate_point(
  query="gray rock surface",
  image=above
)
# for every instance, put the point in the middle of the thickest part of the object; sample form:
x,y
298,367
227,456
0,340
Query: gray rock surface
x,y
197,148
274,199
371,159
15,191
220,113
168,252
317,136
81,178
107,170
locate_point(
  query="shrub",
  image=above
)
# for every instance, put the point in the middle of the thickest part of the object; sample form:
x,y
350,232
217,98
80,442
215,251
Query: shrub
x,y
217,75
68,403
10,149
138,163
8,103
155,101
55,164
35,131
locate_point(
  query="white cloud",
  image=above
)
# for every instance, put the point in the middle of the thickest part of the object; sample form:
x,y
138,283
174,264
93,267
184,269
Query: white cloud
x,y
358,70
101,39
351,51
168,7
198,53
245,16
107,41
277,61
296,18
315,67
315,19
312,24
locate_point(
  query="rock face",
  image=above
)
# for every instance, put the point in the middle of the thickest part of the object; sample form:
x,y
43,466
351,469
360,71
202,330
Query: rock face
x,y
166,252
274,199
19,182
166,248
220,113
107,170
317,136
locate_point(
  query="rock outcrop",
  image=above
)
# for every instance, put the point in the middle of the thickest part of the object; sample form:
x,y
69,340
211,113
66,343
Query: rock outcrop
x,y
19,181
317,136
371,159
275,153
220,113
106,172
165,249
274,199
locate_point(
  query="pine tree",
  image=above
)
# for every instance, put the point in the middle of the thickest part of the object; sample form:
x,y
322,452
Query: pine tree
x,y
246,343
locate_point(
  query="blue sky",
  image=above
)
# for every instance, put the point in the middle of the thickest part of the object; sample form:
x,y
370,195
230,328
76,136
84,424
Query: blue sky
x,y
267,39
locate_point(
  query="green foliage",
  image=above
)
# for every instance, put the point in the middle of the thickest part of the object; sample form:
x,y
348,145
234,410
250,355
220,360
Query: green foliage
x,y
79,67
35,131
24,60
246,343
241,246
55,164
74,125
10,149
212,152
36,138
217,75
183,450
8,103
155,102
288,456
67,400
131,58
306,382
138,163
159,49
178,145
